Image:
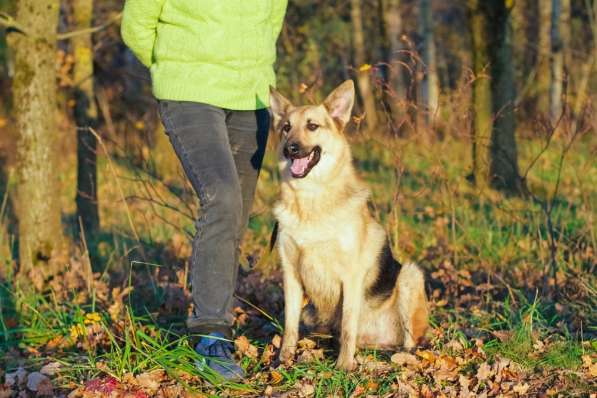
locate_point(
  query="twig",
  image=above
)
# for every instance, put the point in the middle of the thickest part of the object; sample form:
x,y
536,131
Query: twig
x,y
9,22
113,171
88,31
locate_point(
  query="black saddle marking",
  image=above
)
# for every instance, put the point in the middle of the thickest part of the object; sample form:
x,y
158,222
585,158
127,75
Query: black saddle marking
x,y
388,270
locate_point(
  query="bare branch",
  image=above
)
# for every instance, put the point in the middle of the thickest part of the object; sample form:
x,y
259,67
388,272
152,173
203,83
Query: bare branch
x,y
9,22
88,31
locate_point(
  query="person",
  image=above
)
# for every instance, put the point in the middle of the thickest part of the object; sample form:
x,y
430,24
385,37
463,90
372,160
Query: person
x,y
211,63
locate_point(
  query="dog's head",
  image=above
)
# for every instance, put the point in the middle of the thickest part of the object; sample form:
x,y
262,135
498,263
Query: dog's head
x,y
312,136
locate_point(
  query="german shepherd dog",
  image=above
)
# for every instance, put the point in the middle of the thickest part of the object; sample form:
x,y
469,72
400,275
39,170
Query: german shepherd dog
x,y
331,248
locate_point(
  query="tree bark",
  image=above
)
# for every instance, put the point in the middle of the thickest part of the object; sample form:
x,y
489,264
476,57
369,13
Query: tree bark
x,y
34,93
494,145
430,84
363,76
482,119
556,64
85,118
543,56
393,30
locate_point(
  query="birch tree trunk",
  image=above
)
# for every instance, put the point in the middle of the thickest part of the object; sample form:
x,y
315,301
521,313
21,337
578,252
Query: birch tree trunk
x,y
494,146
86,118
363,77
34,93
430,84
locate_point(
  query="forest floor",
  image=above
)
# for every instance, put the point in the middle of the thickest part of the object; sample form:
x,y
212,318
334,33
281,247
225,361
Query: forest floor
x,y
117,329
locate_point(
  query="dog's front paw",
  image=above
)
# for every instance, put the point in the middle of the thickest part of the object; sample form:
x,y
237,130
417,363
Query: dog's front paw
x,y
346,363
287,354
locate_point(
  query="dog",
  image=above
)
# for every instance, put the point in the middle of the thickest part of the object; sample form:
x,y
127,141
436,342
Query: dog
x,y
331,248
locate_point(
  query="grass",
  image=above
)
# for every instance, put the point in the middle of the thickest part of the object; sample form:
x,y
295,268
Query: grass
x,y
485,256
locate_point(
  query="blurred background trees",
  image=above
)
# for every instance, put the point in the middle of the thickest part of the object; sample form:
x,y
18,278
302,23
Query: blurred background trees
x,y
482,72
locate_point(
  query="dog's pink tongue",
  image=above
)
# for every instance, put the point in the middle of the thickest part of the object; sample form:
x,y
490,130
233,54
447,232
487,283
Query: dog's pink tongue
x,y
299,166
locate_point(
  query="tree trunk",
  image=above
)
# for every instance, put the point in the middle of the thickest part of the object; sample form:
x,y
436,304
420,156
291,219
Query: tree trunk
x,y
34,93
543,56
393,30
85,118
430,84
482,119
494,146
556,64
363,76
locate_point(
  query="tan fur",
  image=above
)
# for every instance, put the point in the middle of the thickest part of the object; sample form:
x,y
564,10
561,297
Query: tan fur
x,y
330,244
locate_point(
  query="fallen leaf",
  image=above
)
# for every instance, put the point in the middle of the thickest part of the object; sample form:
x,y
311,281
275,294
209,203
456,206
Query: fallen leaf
x,y
150,381
502,335
359,390
50,369
521,388
307,344
277,341
427,355
404,358
306,389
268,354
310,356
244,347
484,371
276,377
18,377
39,383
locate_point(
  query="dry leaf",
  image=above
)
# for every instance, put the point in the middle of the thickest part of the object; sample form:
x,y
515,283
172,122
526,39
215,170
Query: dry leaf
x,y
150,381
307,344
19,377
521,388
244,347
310,356
268,354
277,341
276,377
306,389
50,369
269,391
427,355
404,358
358,391
484,371
39,383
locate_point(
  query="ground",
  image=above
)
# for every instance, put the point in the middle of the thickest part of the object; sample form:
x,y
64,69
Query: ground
x,y
513,298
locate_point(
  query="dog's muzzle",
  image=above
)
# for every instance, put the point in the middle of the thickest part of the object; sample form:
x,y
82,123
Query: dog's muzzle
x,y
302,161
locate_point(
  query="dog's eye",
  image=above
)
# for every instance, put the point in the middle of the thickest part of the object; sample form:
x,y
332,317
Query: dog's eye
x,y
312,126
286,128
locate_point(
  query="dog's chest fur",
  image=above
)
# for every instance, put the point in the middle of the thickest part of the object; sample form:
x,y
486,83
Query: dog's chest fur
x,y
335,239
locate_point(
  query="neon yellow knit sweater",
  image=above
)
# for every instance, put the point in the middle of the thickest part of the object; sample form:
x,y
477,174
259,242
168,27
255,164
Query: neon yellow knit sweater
x,y
218,52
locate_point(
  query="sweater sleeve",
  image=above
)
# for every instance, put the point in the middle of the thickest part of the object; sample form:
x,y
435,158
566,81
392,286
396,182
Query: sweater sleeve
x,y
138,29
279,11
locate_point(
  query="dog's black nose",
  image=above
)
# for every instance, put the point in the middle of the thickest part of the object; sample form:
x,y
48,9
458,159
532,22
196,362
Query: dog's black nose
x,y
293,148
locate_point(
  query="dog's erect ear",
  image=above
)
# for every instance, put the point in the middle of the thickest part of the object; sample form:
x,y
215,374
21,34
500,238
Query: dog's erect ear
x,y
279,105
340,102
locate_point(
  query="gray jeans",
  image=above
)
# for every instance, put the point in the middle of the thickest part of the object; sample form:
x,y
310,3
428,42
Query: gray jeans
x,y
221,152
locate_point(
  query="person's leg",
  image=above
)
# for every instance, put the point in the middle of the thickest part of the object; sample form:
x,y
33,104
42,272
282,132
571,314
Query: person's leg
x,y
248,132
199,136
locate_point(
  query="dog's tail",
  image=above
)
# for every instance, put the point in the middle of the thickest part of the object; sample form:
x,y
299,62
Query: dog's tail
x,y
412,304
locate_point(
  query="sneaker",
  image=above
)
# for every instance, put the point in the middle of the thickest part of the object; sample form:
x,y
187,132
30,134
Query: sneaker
x,y
217,353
